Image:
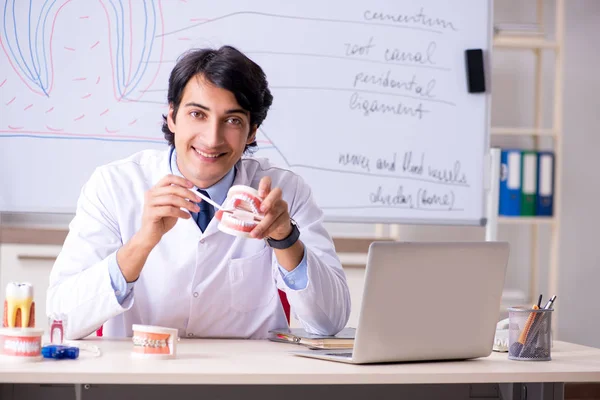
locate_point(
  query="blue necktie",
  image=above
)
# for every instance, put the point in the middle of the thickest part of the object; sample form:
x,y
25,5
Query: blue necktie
x,y
205,214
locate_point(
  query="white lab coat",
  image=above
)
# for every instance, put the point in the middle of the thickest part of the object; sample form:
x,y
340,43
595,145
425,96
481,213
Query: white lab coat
x,y
207,284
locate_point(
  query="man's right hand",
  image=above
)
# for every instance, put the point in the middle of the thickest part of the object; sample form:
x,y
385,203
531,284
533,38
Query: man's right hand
x,y
163,205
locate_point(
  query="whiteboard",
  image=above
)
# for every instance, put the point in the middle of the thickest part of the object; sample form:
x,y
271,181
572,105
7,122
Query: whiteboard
x,y
370,106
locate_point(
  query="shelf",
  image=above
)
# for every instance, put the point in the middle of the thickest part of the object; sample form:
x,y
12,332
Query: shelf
x,y
526,220
502,131
523,42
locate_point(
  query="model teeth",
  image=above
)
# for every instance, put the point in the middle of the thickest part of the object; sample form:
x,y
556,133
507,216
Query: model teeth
x,y
228,217
22,347
19,291
248,201
145,342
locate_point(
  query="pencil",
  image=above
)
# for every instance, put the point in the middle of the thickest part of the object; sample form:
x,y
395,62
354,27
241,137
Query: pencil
x,y
516,347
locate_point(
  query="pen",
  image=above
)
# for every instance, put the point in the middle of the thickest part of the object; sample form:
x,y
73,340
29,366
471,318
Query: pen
x,y
540,301
549,303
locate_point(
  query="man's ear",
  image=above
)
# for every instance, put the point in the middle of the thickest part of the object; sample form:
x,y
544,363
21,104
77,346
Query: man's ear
x,y
170,119
252,134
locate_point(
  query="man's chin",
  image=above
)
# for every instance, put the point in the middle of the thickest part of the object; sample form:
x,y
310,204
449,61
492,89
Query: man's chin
x,y
209,176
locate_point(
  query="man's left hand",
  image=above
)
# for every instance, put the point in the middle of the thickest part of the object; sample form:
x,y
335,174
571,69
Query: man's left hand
x,y
276,222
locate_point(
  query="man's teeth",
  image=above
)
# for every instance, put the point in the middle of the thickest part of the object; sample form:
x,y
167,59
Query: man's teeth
x,y
207,155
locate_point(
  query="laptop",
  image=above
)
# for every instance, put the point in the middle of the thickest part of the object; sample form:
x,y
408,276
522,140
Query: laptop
x,y
427,302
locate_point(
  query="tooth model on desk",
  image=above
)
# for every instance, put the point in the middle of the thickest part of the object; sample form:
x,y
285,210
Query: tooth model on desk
x,y
19,307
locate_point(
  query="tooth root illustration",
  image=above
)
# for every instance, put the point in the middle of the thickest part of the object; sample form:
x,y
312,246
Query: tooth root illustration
x,y
136,45
25,35
19,307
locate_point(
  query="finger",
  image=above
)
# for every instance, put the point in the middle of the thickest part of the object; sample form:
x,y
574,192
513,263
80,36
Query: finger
x,y
168,211
183,193
174,201
174,180
270,200
265,224
264,187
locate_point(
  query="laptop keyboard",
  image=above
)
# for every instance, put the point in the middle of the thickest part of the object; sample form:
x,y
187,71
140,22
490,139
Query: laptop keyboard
x,y
348,355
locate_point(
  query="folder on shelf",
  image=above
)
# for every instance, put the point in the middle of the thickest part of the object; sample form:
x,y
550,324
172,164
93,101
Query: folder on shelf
x,y
528,182
510,183
545,183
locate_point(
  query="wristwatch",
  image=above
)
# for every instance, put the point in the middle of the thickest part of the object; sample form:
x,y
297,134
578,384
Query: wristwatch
x,y
287,241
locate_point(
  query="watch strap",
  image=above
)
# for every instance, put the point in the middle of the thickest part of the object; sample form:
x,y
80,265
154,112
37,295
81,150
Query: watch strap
x,y
288,241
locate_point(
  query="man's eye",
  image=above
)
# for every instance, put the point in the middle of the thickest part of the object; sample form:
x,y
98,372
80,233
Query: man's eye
x,y
235,121
196,114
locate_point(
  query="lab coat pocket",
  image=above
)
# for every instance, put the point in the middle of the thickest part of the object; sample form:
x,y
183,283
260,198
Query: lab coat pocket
x,y
251,280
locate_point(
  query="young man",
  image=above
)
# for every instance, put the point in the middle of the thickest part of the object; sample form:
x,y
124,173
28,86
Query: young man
x,y
142,250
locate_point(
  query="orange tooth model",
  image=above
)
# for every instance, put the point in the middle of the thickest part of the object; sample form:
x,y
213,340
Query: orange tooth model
x,y
19,307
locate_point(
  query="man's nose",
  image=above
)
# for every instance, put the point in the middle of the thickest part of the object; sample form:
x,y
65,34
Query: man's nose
x,y
213,135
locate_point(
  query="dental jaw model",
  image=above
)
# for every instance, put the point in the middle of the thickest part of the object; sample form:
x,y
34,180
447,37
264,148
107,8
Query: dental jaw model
x,y
154,342
20,344
240,212
19,307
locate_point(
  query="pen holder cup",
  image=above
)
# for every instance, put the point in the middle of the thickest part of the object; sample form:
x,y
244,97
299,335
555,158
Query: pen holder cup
x,y
529,334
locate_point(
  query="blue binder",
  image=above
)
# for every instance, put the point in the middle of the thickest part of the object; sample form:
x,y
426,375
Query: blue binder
x,y
545,183
510,183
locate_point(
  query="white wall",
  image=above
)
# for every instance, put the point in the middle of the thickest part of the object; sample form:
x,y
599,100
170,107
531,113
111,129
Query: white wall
x,y
580,258
512,85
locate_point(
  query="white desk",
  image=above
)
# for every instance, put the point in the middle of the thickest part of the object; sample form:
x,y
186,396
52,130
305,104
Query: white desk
x,y
238,362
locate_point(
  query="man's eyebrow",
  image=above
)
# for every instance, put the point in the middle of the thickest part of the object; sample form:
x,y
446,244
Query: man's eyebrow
x,y
192,104
231,111
236,111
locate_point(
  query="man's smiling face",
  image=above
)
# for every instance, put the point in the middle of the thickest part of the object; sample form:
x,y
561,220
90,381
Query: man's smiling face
x,y
211,132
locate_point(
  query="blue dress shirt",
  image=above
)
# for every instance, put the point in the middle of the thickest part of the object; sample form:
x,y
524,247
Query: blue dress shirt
x,y
297,279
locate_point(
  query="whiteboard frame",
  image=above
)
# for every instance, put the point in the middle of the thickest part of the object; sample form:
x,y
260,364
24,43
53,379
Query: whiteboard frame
x,y
407,221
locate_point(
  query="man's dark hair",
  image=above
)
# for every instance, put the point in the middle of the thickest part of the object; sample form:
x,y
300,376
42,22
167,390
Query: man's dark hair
x,y
226,68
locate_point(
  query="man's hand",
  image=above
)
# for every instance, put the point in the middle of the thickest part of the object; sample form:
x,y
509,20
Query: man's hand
x,y
163,205
276,221
276,224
